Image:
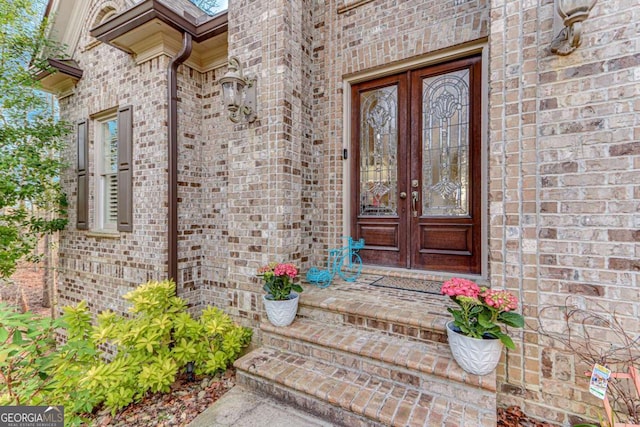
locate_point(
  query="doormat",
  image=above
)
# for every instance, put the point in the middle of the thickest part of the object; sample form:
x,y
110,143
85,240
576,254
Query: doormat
x,y
417,285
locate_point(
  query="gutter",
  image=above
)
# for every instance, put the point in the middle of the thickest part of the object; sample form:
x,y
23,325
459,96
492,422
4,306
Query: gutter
x,y
172,125
192,30
150,10
67,67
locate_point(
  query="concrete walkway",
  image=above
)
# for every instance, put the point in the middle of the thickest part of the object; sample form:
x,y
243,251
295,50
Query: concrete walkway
x,y
241,407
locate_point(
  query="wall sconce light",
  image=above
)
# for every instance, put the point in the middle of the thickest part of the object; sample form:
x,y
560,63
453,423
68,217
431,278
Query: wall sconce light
x,y
238,93
573,12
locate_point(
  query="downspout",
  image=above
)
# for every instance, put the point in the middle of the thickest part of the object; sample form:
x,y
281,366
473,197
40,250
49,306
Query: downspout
x,y
172,124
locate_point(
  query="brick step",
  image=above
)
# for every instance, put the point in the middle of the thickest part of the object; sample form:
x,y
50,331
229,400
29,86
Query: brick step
x,y
419,363
355,397
413,315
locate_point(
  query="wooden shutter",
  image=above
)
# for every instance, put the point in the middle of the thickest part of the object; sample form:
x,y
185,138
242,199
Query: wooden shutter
x,y
125,187
82,139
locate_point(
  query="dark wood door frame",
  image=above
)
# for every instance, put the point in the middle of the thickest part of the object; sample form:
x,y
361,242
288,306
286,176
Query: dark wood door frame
x,y
403,240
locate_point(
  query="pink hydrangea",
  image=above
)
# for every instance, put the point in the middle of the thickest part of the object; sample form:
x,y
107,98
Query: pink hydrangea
x,y
460,287
267,268
289,270
500,300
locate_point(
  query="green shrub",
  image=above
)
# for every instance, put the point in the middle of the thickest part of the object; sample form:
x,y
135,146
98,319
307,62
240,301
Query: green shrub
x,y
146,352
26,346
153,345
34,371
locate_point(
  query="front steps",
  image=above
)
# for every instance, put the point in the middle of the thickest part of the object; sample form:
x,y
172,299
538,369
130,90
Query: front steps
x,y
360,355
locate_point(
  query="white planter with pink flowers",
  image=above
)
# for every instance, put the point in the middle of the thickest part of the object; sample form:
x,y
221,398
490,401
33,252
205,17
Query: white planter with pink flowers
x,y
475,335
476,356
281,313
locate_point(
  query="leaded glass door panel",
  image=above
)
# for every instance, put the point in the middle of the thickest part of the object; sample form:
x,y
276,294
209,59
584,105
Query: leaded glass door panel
x,y
380,147
416,168
446,161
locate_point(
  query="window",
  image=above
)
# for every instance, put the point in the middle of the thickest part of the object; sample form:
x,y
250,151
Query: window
x,y
113,193
107,174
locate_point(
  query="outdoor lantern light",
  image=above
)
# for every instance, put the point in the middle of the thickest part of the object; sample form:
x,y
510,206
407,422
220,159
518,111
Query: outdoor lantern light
x,y
573,12
238,93
190,371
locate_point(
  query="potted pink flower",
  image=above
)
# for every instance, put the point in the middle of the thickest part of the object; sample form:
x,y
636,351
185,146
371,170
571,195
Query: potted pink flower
x,y
475,333
280,301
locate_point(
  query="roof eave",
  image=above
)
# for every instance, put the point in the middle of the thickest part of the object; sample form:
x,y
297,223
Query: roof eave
x,y
60,78
154,9
213,27
60,66
65,68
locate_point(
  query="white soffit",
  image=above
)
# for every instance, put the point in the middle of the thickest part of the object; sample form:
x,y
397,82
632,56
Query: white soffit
x,y
67,19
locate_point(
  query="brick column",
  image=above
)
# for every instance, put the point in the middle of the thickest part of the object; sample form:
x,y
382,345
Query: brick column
x,y
266,158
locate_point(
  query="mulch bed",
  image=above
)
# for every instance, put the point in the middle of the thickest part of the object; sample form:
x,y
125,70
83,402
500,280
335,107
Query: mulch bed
x,y
514,417
176,408
24,289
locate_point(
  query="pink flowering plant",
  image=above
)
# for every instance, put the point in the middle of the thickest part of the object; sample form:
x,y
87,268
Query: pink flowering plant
x,y
278,280
482,310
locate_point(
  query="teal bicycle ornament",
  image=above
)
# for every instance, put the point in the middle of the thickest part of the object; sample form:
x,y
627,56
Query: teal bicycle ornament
x,y
344,261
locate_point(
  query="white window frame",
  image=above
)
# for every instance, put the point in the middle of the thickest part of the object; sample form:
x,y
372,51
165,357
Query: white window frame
x,y
103,221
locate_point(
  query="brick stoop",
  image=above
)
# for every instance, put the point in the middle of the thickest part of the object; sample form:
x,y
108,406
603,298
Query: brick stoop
x,y
359,355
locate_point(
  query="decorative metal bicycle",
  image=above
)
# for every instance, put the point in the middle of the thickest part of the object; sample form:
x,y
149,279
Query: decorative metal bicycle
x,y
344,261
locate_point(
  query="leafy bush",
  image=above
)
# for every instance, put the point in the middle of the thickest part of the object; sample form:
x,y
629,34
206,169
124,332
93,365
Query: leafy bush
x,y
26,345
147,350
34,371
156,342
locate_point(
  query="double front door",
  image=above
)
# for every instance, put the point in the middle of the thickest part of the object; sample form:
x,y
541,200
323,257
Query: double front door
x,y
415,192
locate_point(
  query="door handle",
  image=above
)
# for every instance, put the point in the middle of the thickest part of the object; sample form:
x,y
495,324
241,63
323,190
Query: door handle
x,y
414,199
403,195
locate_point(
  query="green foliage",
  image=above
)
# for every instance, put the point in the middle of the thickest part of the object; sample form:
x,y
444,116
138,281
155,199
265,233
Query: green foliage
x,y
485,321
31,199
148,349
26,343
157,341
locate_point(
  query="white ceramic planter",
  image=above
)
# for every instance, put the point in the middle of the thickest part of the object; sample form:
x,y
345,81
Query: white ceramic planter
x,y
281,313
476,356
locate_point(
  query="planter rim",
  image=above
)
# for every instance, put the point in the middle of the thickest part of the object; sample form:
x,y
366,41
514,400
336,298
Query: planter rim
x,y
453,329
293,295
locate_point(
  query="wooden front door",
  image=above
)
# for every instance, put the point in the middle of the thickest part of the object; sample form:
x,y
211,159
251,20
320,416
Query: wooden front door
x,y
415,189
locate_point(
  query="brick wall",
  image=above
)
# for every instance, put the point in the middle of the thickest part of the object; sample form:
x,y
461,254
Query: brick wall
x,y
94,267
564,189
249,194
265,160
191,169
215,179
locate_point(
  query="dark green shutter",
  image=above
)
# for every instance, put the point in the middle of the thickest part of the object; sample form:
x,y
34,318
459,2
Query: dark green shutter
x,y
125,186
82,139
